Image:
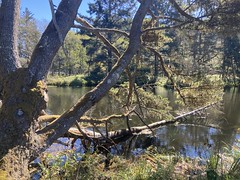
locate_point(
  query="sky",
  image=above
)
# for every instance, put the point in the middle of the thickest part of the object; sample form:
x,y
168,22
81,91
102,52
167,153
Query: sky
x,y
41,9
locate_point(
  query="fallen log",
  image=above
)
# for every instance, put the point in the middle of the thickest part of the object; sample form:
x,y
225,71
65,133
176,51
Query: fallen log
x,y
123,134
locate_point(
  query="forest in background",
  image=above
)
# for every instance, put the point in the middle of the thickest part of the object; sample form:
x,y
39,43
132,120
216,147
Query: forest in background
x,y
188,52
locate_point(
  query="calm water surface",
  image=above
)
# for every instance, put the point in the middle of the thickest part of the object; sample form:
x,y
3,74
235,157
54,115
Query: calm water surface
x,y
193,141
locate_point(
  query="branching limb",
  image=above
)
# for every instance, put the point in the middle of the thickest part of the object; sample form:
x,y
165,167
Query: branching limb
x,y
58,127
55,21
97,30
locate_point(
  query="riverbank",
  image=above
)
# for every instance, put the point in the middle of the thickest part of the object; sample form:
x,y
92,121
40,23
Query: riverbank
x,y
82,80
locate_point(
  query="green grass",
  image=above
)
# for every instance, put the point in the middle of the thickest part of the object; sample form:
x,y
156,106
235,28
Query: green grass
x,y
63,81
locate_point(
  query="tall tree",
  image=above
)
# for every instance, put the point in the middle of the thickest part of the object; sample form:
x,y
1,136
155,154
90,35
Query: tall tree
x,y
231,59
28,36
112,14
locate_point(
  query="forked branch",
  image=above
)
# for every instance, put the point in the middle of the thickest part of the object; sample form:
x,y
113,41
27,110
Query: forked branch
x,y
61,125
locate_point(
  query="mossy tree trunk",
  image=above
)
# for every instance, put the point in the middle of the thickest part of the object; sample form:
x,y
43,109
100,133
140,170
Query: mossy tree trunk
x,y
22,89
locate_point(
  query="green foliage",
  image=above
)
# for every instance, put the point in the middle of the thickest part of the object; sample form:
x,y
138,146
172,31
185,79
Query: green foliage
x,y
153,106
151,165
142,76
59,166
95,76
92,166
225,165
72,58
201,91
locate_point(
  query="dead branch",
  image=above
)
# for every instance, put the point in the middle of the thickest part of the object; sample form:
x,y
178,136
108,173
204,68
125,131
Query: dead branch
x,y
97,30
167,73
118,135
86,119
61,125
100,36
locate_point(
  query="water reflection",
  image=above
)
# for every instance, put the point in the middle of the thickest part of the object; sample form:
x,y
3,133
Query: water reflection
x,y
188,140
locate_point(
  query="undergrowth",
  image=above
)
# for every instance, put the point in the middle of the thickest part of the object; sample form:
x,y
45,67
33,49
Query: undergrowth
x,y
150,166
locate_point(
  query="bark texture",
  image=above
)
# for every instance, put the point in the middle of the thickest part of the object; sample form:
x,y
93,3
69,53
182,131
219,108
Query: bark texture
x,y
9,15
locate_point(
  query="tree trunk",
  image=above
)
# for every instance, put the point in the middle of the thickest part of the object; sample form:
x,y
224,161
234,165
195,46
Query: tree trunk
x,y
22,104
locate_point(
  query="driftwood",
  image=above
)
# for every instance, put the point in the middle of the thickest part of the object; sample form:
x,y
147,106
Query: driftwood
x,y
114,137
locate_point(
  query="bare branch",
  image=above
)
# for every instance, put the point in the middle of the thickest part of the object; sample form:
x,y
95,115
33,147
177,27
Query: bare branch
x,y
182,12
166,27
86,119
99,35
97,30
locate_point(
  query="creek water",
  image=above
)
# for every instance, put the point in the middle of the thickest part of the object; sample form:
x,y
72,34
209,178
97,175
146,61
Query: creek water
x,y
188,139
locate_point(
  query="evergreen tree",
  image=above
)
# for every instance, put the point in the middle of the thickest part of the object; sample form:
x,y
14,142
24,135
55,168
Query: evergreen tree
x,y
28,36
111,14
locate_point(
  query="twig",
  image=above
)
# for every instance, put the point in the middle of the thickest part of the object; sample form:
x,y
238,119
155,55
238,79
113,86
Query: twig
x,y
83,133
100,36
97,30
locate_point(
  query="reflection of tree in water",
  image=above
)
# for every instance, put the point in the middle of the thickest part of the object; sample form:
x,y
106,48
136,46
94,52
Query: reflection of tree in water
x,y
61,99
231,108
232,116
189,140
